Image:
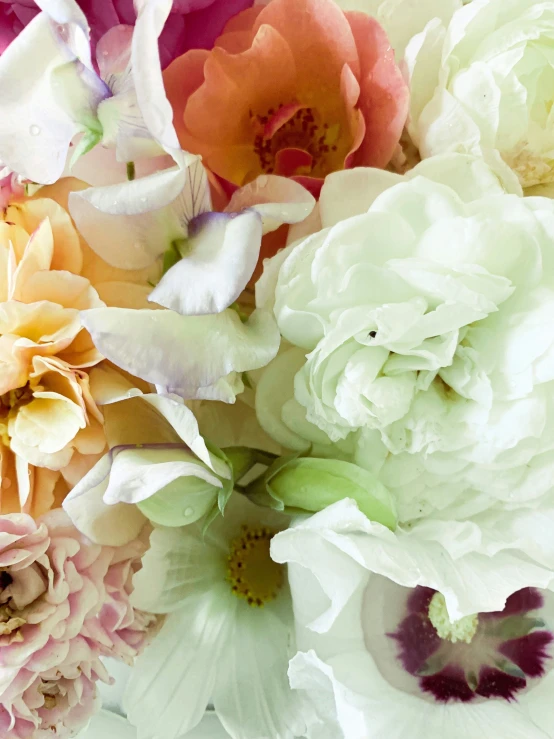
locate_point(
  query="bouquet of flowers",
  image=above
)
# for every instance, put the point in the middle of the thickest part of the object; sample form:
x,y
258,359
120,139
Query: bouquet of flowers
x,y
277,366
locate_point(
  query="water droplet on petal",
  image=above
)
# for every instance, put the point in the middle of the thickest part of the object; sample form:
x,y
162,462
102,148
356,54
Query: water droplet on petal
x,y
34,130
188,512
137,245
6,483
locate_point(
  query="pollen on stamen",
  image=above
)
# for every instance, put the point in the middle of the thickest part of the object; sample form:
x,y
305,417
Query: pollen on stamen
x,y
252,574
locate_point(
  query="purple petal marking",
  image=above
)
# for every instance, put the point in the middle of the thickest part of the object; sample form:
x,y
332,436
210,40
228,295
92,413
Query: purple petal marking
x,y
449,684
420,599
417,640
528,599
497,684
529,652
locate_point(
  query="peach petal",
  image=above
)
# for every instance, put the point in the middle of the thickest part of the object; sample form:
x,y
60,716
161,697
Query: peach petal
x,y
384,94
63,288
315,30
67,248
124,295
181,79
37,256
241,82
243,21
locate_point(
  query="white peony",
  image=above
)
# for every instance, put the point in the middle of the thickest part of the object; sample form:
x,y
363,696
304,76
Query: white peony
x,y
438,631
483,85
422,314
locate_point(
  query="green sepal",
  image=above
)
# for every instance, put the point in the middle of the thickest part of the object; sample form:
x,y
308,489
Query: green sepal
x,y
89,140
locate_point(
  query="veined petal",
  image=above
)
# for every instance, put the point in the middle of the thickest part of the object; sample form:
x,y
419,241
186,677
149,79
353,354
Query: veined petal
x,y
129,225
221,253
252,696
172,682
186,355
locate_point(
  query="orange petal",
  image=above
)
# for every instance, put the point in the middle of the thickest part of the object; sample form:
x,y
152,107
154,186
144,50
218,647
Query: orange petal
x,y
183,77
384,95
320,39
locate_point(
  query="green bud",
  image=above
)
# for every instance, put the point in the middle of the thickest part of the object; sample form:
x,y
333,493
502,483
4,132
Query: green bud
x,y
183,501
309,484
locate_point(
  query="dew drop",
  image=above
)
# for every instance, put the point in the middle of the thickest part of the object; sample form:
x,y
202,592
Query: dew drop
x,y
6,483
34,130
188,512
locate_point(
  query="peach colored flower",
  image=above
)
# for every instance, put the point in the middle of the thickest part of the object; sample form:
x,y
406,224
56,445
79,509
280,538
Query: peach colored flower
x,y
297,88
51,430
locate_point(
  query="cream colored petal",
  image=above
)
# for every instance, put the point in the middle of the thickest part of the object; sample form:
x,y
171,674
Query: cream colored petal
x,y
37,256
46,424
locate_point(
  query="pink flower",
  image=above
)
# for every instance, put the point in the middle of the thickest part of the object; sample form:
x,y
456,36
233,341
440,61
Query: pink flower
x,y
64,603
193,24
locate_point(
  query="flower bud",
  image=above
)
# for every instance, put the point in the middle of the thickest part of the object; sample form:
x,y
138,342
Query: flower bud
x,y
309,484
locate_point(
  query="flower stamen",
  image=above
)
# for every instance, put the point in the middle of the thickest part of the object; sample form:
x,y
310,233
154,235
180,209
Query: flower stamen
x,y
462,630
253,575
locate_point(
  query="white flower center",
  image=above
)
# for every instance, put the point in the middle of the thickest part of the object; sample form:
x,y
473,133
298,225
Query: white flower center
x,y
453,631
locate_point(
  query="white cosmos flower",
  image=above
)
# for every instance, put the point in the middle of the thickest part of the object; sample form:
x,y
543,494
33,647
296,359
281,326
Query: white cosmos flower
x,y
228,635
436,631
482,84
422,319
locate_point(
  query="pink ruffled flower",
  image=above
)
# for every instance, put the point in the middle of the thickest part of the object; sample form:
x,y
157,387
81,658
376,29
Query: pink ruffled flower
x,y
193,24
64,603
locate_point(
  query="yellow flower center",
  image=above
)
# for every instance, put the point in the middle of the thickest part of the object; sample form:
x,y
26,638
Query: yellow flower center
x,y
453,631
253,575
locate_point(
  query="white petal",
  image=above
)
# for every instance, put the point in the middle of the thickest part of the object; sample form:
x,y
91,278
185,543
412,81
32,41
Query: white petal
x,y
130,224
114,525
277,199
181,563
221,254
34,132
183,354
173,680
252,697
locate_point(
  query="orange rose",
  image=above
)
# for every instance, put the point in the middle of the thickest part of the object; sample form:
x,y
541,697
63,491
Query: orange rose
x,y
297,88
